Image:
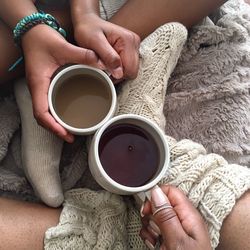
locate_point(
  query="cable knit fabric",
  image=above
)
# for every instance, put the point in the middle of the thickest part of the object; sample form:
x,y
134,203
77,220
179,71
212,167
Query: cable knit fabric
x,y
159,54
90,220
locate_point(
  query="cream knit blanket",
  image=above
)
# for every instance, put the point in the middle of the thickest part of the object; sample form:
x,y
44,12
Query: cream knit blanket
x,y
100,220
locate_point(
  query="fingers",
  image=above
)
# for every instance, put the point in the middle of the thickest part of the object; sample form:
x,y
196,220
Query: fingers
x,y
75,54
39,90
109,56
175,217
165,216
190,217
128,49
148,238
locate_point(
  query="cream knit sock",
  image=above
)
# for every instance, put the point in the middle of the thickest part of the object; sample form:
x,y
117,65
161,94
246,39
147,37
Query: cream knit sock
x,y
159,54
145,95
41,151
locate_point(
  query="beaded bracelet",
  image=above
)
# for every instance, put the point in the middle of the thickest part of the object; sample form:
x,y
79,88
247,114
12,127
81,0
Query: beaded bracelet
x,y
28,23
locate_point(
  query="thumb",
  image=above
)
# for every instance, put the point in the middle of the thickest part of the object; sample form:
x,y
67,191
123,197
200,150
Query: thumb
x,y
165,216
109,56
75,54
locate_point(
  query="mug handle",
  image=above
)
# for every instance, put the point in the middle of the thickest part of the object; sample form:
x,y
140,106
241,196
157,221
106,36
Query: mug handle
x,y
141,197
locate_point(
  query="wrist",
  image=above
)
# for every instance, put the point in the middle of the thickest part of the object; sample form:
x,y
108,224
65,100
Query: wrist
x,y
30,22
85,23
85,18
81,10
31,36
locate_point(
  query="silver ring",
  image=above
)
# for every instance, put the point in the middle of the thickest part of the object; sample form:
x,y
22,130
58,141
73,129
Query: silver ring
x,y
159,208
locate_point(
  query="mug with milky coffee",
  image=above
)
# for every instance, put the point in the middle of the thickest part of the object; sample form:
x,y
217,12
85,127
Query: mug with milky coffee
x,y
82,99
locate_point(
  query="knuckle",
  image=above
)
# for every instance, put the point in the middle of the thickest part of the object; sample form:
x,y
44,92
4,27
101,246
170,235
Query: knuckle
x,y
89,55
133,38
112,59
137,39
166,215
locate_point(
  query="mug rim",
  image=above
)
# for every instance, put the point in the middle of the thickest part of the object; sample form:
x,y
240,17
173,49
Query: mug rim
x,y
88,130
117,185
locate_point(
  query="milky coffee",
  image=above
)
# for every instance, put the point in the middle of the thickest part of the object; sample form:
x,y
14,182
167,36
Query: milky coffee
x,y
82,101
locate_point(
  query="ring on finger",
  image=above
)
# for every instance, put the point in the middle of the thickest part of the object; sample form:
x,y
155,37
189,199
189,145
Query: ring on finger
x,y
161,207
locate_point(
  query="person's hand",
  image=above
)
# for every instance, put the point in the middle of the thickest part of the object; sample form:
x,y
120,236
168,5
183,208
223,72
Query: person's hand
x,y
45,50
172,219
118,48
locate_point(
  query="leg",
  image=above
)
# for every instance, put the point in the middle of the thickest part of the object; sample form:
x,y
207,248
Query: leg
x,y
22,224
235,230
142,20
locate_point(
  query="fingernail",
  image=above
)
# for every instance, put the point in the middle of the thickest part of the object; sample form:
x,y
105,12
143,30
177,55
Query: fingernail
x,y
158,198
117,73
152,231
70,139
155,228
149,244
141,210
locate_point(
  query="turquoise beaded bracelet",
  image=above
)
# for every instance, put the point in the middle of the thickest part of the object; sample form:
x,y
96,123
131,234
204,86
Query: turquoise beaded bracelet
x,y
29,22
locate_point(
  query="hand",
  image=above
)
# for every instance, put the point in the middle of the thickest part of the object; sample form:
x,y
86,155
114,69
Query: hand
x,y
45,50
179,223
118,48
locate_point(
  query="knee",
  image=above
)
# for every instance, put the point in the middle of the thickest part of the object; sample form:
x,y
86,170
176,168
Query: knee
x,y
235,230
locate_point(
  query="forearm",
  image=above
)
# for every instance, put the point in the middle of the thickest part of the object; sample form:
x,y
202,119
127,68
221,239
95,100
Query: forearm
x,y
12,11
146,15
81,8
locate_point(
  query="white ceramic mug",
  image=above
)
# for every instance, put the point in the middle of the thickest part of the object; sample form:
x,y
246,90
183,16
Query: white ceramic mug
x,y
83,70
105,180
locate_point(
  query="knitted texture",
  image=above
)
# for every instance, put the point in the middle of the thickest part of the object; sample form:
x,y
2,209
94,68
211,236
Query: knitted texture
x,y
208,180
41,151
90,220
159,54
110,7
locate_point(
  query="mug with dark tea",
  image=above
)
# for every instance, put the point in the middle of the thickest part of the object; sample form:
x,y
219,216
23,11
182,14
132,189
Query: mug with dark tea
x,y
129,154
82,98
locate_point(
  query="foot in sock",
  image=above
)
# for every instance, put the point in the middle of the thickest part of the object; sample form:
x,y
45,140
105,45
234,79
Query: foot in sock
x,y
159,54
41,151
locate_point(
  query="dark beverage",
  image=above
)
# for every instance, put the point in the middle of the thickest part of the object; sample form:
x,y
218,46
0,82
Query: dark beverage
x,y
128,154
82,101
